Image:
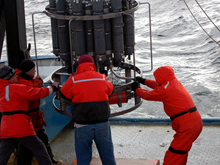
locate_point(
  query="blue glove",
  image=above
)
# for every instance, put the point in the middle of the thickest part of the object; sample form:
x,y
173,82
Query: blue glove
x,y
135,85
140,80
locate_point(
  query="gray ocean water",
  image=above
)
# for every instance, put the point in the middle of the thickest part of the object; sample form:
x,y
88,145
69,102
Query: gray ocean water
x,y
177,40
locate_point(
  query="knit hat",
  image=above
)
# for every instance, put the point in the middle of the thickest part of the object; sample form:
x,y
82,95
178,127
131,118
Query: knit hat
x,y
27,65
6,72
85,58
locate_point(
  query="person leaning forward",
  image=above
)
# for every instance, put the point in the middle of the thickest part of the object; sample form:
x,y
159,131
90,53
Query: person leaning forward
x,y
179,106
26,76
16,125
89,92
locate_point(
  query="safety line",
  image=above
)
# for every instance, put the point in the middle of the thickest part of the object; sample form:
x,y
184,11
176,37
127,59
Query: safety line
x,y
207,15
199,23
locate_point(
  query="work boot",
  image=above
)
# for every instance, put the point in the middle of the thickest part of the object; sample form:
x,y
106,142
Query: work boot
x,y
57,162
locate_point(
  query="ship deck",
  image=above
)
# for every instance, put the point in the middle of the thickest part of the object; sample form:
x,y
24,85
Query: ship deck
x,y
143,142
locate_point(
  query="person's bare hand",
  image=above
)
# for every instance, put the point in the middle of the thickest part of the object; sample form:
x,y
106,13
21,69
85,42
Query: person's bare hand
x,y
38,76
56,84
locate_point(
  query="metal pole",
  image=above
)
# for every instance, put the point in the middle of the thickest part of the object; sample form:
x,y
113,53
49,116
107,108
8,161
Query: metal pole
x,y
35,45
71,49
150,38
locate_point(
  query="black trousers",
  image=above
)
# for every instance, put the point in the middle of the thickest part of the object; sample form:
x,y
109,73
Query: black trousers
x,y
25,156
33,143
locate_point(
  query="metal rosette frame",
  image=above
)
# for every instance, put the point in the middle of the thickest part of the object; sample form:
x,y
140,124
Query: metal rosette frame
x,y
122,93
103,29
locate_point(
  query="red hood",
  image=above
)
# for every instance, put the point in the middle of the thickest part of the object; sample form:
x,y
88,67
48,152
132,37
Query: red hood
x,y
164,74
17,71
86,66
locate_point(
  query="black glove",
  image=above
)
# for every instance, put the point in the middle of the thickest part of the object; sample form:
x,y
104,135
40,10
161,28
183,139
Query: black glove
x,y
135,85
140,80
55,88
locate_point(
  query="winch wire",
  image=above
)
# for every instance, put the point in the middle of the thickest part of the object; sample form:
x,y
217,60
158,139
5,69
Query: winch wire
x,y
199,23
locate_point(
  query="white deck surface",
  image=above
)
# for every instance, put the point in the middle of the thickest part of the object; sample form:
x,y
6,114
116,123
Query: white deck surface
x,y
145,142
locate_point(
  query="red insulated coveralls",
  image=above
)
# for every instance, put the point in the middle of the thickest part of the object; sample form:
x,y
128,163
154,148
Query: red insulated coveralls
x,y
34,112
14,102
89,107
177,102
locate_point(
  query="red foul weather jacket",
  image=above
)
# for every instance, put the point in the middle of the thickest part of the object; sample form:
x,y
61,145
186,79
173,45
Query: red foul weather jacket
x,y
170,91
179,106
34,112
13,106
89,91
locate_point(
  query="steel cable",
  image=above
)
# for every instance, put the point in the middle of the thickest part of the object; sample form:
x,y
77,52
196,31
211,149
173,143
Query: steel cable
x,y
199,23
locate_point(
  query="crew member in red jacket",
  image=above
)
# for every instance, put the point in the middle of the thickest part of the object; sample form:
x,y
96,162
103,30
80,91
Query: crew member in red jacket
x,y
26,76
16,124
89,92
179,106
